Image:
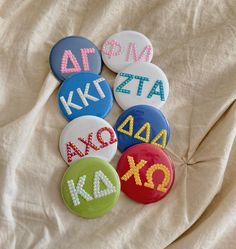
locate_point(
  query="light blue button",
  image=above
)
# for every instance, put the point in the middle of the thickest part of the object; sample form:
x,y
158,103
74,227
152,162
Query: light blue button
x,y
85,94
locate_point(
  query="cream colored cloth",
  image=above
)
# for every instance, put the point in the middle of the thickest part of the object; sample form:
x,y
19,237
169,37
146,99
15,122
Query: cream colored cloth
x,y
195,44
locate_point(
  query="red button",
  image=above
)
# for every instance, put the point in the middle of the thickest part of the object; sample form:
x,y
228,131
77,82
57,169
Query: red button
x,y
146,173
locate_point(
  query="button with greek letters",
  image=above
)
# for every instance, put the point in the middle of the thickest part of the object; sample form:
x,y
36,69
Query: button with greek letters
x,y
88,136
124,48
74,54
146,173
90,187
141,83
142,124
85,94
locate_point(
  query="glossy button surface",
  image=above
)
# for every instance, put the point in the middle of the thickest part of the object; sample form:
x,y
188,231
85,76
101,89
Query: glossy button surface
x,y
85,94
88,136
146,173
142,124
141,84
74,54
124,48
90,187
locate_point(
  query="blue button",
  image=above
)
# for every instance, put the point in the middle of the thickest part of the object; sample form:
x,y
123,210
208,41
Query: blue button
x,y
74,54
85,94
142,124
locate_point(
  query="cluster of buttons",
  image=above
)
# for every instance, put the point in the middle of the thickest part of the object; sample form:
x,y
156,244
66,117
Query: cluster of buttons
x,y
91,186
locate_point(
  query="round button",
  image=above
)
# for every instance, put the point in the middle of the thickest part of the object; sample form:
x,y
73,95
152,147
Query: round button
x,y
142,124
124,48
141,83
90,187
85,94
88,136
74,54
146,173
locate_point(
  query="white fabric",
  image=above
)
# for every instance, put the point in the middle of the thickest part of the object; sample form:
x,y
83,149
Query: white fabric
x,y
195,45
